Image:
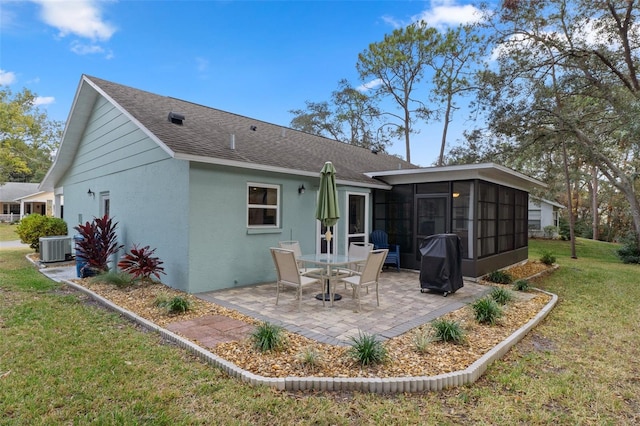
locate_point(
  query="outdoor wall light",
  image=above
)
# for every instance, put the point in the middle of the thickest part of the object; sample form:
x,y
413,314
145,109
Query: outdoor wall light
x,y
90,193
301,189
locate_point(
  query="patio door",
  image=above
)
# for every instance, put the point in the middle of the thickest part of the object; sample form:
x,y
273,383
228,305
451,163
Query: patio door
x,y
357,219
431,217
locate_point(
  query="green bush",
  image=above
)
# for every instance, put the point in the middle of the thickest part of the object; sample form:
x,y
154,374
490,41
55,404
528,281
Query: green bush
x,y
31,228
630,252
487,310
521,285
448,331
422,340
547,258
310,357
499,277
367,349
268,337
501,295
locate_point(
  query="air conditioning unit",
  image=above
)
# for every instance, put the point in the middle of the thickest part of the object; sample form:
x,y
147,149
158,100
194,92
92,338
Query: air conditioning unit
x,y
55,249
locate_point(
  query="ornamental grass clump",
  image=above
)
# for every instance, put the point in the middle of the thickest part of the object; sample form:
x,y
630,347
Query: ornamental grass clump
x,y
173,305
448,331
310,357
521,285
499,277
268,337
367,350
422,340
486,310
501,296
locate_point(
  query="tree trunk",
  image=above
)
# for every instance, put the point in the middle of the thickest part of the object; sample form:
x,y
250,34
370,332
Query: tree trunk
x,y
445,129
594,202
572,218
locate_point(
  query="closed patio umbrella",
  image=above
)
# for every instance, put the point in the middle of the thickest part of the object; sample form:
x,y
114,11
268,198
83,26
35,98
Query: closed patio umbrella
x,y
327,211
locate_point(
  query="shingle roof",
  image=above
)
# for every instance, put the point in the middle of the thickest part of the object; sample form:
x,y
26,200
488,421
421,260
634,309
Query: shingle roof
x,y
206,134
12,191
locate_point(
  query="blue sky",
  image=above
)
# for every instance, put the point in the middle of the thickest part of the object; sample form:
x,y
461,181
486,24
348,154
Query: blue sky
x,y
260,59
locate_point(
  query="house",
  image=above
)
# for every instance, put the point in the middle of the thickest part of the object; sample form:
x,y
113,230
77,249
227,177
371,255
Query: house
x,y
543,213
18,199
213,190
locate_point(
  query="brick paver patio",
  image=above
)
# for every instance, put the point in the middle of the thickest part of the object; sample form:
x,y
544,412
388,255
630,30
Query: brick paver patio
x,y
402,307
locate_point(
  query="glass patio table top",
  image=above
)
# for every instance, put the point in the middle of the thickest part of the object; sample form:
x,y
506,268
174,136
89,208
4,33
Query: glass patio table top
x,y
331,261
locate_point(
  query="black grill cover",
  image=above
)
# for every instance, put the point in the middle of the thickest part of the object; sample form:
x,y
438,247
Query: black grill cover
x,y
441,263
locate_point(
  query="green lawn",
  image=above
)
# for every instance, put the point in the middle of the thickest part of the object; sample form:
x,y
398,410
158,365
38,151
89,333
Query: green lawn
x,y
8,232
66,361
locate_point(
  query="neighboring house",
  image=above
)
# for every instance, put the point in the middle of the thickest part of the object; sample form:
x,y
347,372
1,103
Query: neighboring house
x,y
543,213
19,199
212,190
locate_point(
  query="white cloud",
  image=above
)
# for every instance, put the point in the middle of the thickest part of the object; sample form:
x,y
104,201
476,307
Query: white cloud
x,y
373,84
85,49
441,13
43,100
82,18
7,77
448,12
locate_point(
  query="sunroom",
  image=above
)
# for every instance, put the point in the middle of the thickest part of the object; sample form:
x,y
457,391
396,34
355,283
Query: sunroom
x,y
486,205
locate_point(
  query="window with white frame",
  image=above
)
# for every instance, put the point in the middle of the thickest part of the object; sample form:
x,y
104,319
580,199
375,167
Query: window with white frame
x,y
263,206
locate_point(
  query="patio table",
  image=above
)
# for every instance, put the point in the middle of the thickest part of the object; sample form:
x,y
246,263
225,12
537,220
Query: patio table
x,y
329,262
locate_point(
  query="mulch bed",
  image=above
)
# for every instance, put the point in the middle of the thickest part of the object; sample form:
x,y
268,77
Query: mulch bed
x,y
334,361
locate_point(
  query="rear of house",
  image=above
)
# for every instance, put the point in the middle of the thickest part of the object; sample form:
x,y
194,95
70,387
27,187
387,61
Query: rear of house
x,y
212,190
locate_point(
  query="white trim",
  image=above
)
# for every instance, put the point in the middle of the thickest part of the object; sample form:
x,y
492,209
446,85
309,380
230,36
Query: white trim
x,y
264,206
365,231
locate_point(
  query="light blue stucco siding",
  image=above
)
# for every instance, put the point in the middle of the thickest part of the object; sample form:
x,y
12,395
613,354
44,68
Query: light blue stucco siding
x,y
223,251
147,189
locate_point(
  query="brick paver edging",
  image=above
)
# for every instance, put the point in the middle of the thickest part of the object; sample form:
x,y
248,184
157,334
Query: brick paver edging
x,y
361,384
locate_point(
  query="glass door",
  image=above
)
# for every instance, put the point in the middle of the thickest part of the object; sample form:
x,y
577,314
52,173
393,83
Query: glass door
x,y
431,217
357,219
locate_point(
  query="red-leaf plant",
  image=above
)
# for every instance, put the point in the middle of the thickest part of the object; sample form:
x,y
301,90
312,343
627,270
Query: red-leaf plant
x,y
99,242
141,264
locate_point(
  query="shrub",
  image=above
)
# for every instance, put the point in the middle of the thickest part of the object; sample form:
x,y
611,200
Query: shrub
x,y
141,264
99,242
547,258
268,337
550,231
501,295
499,277
629,252
367,349
448,331
173,305
31,228
521,285
487,310
119,279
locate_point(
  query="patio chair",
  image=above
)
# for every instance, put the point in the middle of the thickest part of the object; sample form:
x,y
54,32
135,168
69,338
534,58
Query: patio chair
x,y
295,247
356,250
369,276
380,240
289,274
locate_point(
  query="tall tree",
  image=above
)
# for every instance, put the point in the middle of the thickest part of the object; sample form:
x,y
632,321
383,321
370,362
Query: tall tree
x,y
27,138
593,106
350,116
459,51
398,64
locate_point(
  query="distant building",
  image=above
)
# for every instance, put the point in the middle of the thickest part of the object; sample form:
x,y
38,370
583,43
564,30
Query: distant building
x,y
543,213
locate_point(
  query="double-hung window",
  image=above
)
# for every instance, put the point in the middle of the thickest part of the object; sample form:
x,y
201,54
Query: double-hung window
x,y
263,206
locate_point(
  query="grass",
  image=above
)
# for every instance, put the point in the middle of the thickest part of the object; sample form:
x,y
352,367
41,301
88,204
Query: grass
x,y
66,361
8,232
